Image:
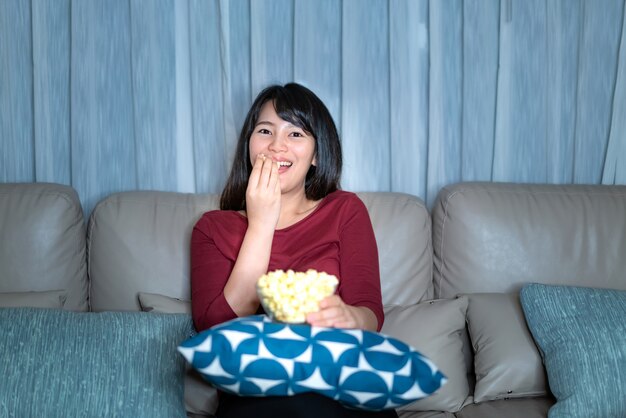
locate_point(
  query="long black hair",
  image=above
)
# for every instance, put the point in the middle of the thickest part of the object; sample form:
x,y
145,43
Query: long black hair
x,y
301,107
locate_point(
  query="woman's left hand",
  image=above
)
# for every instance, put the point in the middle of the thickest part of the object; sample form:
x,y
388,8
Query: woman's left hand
x,y
335,313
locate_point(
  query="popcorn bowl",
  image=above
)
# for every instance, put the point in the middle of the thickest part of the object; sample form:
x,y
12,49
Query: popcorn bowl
x,y
289,296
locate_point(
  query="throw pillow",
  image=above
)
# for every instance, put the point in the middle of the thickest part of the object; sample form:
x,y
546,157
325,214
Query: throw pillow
x,y
506,360
255,356
581,334
50,299
200,396
58,363
435,328
165,304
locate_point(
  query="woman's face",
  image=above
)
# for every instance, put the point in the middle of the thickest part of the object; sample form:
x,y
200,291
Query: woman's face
x,y
286,144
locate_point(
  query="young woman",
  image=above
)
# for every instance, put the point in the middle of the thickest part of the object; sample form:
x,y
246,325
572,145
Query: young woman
x,y
282,208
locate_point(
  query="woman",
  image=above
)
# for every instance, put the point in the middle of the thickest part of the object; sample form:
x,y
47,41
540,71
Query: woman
x,y
282,208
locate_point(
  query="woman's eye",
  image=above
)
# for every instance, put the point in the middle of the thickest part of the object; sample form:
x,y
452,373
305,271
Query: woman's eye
x,y
264,131
297,135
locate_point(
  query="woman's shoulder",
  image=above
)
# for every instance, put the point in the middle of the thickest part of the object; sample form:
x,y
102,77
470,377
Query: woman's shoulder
x,y
219,217
343,198
343,204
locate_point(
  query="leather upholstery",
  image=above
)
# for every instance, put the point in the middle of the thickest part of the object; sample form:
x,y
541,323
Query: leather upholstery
x,y
403,234
485,237
493,237
139,242
43,241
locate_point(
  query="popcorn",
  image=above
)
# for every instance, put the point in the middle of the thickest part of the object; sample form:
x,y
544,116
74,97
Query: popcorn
x,y
289,296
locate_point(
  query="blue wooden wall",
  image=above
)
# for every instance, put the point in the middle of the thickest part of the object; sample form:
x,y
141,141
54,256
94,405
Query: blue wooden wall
x,y
150,94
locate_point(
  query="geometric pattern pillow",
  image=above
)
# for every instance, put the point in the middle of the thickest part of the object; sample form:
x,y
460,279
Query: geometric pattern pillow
x,y
255,356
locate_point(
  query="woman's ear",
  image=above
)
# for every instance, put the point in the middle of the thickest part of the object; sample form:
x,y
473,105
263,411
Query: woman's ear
x,y
314,162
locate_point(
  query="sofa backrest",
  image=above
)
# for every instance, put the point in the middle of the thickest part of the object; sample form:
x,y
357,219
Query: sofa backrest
x,y
42,247
402,227
493,237
139,242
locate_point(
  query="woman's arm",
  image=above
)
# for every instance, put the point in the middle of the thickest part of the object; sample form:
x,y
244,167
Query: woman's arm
x,y
209,272
263,211
358,303
222,290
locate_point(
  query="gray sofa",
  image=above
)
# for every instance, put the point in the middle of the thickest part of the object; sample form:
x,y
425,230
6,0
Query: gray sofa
x,y
450,277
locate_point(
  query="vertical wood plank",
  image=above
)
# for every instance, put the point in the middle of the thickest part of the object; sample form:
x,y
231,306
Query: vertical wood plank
x,y
317,51
408,49
51,84
562,66
154,92
615,163
271,33
210,143
444,151
481,22
16,92
601,30
521,124
365,96
103,143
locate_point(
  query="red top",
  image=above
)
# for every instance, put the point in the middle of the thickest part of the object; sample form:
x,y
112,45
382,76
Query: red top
x,y
337,238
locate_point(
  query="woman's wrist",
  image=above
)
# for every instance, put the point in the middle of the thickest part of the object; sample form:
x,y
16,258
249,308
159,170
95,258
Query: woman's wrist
x,y
366,318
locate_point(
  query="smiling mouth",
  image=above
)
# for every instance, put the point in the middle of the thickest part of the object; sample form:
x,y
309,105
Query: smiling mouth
x,y
284,163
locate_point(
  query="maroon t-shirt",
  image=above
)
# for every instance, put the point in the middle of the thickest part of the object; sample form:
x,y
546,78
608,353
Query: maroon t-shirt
x,y
336,238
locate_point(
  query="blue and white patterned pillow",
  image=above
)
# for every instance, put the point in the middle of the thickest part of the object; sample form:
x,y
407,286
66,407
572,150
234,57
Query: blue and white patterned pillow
x,y
254,356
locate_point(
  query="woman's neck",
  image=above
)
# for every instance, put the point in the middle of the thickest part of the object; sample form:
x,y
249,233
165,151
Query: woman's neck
x,y
294,209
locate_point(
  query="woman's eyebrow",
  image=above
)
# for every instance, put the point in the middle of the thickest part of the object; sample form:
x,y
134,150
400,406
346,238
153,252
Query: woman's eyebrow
x,y
267,122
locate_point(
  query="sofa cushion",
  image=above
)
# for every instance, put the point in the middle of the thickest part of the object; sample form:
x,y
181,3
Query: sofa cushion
x,y
200,397
581,333
57,363
154,302
138,241
535,407
43,227
256,356
435,328
506,360
402,227
51,299
495,237
424,414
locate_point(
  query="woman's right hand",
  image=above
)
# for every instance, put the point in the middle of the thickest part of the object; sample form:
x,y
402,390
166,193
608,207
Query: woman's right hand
x,y
263,194
263,210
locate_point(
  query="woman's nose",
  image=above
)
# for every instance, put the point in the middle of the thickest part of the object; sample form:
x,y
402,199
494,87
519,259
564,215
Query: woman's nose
x,y
278,143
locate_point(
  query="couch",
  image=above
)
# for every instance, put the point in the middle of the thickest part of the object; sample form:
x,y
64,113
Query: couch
x,y
451,279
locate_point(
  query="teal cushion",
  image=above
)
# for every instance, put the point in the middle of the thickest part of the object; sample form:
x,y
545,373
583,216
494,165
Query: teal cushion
x,y
581,334
113,364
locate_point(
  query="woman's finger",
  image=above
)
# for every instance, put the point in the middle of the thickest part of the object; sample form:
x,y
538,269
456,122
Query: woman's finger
x,y
332,300
266,171
255,174
326,316
274,181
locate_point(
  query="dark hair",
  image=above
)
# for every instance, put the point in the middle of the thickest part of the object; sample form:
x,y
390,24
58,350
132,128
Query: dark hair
x,y
300,106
